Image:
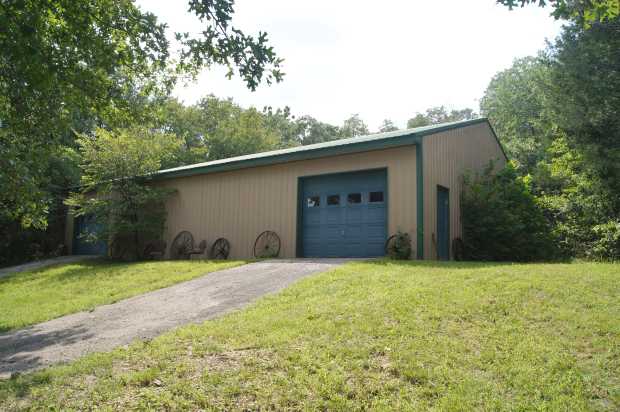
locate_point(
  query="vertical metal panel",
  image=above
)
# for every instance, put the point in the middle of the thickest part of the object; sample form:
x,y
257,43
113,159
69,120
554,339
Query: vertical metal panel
x,y
240,204
447,156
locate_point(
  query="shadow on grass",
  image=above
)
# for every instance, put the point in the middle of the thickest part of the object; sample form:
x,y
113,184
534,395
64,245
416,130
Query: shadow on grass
x,y
17,348
86,269
29,275
77,270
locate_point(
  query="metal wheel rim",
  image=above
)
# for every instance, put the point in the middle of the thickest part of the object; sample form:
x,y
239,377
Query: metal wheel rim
x,y
267,245
220,249
148,249
388,243
181,246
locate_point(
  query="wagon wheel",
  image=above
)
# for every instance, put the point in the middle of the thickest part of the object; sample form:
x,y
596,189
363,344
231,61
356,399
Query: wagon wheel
x,y
220,249
119,250
389,244
181,246
458,249
149,248
267,245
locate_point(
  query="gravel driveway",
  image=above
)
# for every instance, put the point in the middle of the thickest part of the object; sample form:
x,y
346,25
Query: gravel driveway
x,y
149,315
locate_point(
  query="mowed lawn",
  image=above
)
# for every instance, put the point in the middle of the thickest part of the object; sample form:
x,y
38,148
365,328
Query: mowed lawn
x,y
31,297
373,335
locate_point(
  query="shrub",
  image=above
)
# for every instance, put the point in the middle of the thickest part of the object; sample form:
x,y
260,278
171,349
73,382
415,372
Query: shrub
x,y
400,246
606,245
502,220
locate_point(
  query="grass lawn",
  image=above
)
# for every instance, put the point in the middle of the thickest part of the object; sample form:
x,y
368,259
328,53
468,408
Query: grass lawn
x,y
373,335
35,296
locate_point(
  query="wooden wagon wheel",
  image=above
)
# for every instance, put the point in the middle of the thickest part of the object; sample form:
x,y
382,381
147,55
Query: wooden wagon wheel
x,y
389,244
458,249
220,249
267,245
119,250
149,248
182,245
154,249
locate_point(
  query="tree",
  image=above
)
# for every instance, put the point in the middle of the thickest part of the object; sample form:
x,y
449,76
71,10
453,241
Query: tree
x,y
585,96
584,12
439,114
115,190
70,65
284,124
185,122
575,199
558,114
387,126
243,133
313,131
517,105
353,126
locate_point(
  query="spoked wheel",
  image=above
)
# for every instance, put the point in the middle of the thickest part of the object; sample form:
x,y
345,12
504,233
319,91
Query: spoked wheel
x,y
120,249
458,249
267,245
389,243
154,249
182,245
149,248
220,249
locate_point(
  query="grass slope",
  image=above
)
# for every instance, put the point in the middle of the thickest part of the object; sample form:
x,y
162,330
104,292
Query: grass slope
x,y
31,297
375,335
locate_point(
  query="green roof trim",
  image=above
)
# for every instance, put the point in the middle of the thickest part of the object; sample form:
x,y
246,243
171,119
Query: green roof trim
x,y
314,151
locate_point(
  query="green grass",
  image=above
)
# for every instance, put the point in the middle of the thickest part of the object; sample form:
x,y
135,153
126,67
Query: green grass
x,y
31,297
375,335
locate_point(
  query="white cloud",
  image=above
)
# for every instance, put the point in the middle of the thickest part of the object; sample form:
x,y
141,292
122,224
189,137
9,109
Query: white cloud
x,y
385,59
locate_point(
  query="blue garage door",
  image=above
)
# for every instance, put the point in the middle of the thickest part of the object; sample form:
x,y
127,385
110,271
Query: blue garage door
x,y
82,225
344,215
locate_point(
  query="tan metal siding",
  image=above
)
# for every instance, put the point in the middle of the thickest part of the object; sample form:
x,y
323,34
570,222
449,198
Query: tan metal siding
x,y
240,204
447,155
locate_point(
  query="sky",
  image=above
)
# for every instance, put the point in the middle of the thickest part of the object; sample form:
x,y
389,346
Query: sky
x,y
382,62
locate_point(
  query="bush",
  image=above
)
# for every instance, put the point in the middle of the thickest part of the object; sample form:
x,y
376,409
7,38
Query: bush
x,y
399,247
606,245
502,220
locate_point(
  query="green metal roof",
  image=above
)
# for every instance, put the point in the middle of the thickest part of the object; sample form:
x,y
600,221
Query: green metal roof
x,y
313,151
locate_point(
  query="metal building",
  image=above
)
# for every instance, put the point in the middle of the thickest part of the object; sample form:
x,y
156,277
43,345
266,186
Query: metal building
x,y
341,198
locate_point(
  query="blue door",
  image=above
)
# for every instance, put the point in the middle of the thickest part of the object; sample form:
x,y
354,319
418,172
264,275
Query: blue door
x,y
443,223
344,215
82,225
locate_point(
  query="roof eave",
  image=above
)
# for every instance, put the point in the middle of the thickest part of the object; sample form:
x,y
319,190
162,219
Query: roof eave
x,y
404,139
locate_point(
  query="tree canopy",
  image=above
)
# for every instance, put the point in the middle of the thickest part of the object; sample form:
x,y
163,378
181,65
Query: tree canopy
x,y
69,66
584,12
558,114
113,192
440,114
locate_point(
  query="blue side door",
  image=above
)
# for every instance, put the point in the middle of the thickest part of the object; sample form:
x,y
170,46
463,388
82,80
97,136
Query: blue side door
x,y
82,225
344,215
443,223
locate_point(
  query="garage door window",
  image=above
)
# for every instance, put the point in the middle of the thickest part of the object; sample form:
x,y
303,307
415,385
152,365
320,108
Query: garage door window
x,y
333,200
354,198
375,197
313,201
